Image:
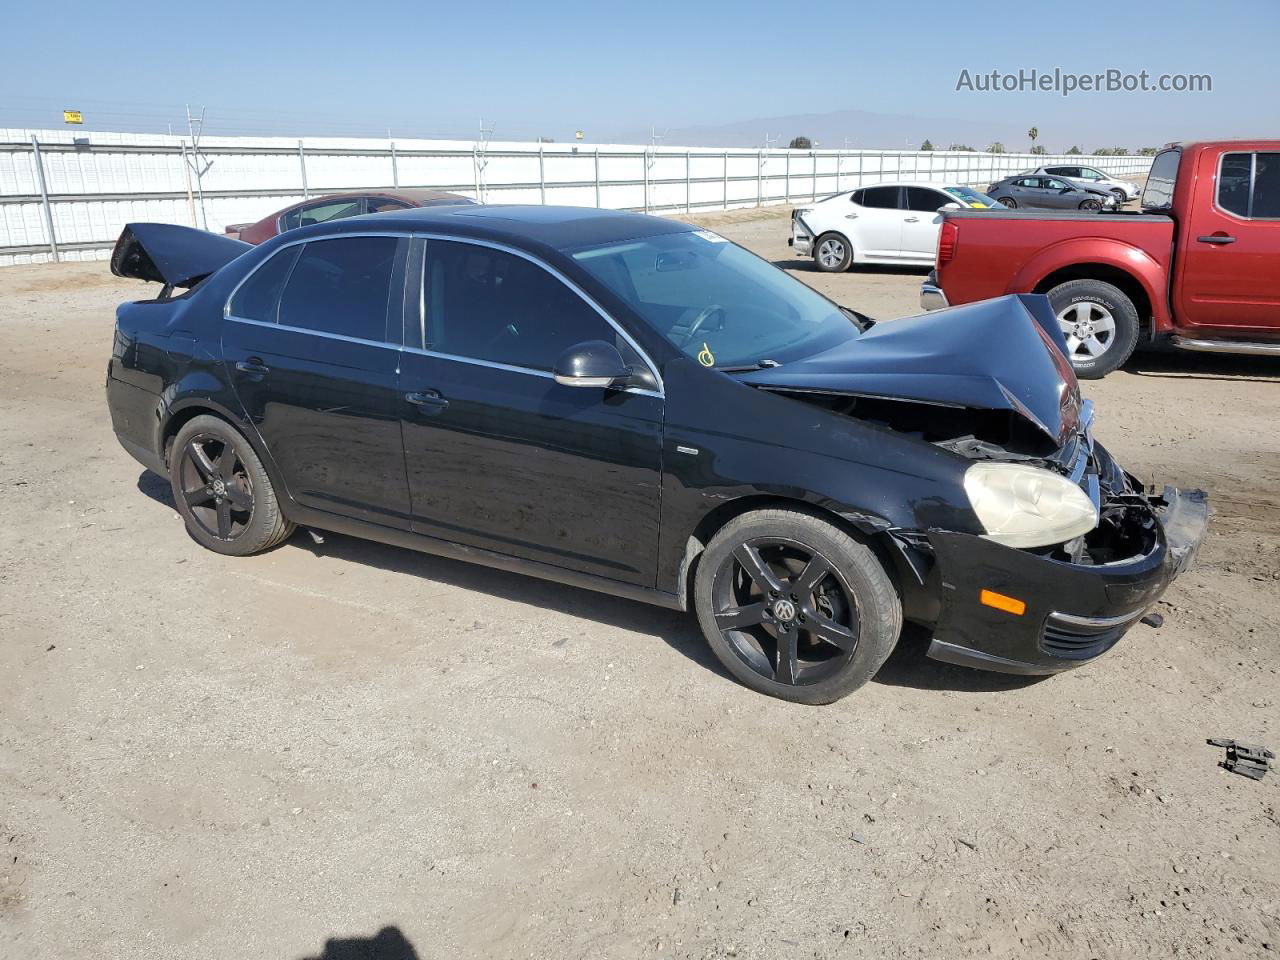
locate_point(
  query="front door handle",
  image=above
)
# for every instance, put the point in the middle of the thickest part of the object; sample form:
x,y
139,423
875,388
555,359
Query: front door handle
x,y
428,401
253,366
1219,238
911,220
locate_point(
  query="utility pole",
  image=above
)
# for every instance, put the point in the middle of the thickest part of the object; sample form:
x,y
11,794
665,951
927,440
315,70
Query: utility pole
x,y
195,130
480,158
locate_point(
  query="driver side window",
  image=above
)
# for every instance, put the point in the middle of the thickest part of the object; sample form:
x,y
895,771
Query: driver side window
x,y
486,304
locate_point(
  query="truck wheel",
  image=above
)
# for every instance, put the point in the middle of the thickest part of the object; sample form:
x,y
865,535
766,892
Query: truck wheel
x,y
832,253
794,607
1100,324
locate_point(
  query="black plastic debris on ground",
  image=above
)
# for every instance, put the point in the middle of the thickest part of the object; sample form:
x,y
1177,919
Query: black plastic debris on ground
x,y
1247,759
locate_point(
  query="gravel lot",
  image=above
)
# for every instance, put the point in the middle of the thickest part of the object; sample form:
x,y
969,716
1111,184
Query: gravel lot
x,y
209,757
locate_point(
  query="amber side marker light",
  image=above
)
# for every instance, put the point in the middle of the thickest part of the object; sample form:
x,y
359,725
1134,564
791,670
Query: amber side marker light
x,y
990,598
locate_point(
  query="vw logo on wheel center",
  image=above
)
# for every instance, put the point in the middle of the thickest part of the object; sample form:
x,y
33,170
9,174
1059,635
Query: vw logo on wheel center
x,y
784,610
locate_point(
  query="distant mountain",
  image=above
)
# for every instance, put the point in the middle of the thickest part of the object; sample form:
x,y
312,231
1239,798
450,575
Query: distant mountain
x,y
863,128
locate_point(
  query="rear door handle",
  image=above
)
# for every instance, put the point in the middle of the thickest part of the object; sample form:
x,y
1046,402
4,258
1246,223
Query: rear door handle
x,y
428,401
253,366
1220,239
912,220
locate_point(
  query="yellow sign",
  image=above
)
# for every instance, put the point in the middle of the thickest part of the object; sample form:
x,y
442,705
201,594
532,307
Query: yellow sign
x,y
72,116
704,356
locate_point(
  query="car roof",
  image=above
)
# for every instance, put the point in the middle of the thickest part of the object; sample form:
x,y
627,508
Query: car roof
x,y
561,228
935,184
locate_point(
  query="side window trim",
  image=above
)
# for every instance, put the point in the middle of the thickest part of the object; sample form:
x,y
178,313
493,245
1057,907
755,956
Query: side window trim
x,y
426,238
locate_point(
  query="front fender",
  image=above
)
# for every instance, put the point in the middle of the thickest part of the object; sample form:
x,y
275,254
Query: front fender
x,y
1117,254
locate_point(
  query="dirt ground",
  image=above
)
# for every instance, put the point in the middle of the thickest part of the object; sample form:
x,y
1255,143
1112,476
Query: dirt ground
x,y
279,757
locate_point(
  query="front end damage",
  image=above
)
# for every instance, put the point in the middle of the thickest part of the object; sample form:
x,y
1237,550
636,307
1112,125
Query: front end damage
x,y
1032,610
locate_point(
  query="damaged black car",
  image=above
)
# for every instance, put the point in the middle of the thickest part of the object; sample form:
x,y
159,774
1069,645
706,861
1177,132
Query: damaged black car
x,y
641,407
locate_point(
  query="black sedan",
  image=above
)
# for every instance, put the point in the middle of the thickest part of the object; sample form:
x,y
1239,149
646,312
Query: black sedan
x,y
637,406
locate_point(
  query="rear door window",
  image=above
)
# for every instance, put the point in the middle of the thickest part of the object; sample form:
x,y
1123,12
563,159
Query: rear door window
x,y
259,296
1249,185
341,286
881,198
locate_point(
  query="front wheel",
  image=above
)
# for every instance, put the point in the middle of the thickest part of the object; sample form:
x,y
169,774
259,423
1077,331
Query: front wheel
x,y
222,490
1100,323
832,253
1121,197
1090,204
794,607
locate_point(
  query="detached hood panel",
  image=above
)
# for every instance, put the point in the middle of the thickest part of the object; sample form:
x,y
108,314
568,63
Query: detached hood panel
x,y
172,255
1001,354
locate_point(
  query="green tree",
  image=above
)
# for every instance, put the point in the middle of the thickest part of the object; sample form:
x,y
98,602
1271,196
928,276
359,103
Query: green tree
x,y
1034,134
1074,151
801,143
962,147
927,145
1148,151
1119,151
1102,152
1039,149
996,147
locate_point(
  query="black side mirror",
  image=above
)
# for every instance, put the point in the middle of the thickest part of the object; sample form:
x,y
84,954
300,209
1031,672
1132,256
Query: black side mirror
x,y
592,363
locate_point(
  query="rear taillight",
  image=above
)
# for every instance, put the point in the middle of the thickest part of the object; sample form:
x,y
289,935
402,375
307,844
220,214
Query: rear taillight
x,y
947,238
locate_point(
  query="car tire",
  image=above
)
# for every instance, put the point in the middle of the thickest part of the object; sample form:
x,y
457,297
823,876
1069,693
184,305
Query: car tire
x,y
222,491
1121,197
1009,202
832,253
1089,301
837,629
1091,204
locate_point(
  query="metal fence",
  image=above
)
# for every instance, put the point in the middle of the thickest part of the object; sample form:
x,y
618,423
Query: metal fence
x,y
66,197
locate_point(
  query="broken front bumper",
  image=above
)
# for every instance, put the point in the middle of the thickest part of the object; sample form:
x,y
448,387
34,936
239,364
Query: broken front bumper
x,y
1074,612
801,239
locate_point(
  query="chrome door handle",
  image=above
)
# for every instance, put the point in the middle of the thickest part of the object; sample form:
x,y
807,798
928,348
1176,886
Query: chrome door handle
x,y
1214,238
851,216
428,401
911,220
253,366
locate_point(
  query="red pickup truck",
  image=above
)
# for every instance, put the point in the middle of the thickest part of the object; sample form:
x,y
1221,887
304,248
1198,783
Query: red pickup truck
x,y
1198,267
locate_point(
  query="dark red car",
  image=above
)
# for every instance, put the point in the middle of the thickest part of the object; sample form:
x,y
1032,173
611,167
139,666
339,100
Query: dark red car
x,y
337,206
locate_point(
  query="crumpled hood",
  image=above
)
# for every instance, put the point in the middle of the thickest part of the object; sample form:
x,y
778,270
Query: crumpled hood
x,y
1002,354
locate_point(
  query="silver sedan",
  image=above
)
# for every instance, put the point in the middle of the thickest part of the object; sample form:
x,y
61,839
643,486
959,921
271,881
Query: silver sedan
x,y
1037,191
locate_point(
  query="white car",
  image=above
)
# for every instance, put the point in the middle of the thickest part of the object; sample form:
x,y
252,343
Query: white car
x,y
1094,179
885,223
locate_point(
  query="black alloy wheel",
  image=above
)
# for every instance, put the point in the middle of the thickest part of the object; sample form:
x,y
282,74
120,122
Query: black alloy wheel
x,y
222,489
1009,202
795,606
783,609
215,486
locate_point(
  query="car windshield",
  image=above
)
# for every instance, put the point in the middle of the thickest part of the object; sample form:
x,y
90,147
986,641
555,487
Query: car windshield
x,y
971,198
718,303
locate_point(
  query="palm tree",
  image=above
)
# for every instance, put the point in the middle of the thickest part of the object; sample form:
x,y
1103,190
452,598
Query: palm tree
x,y
1033,133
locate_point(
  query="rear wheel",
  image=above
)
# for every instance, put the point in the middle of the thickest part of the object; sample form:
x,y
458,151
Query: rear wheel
x,y
222,490
1100,323
1009,202
794,607
832,253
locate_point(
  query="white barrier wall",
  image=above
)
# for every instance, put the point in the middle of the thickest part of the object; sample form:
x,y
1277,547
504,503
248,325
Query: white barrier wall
x,y
67,196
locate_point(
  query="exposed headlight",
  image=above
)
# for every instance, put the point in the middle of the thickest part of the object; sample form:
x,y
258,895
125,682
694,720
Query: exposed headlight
x,y
1022,506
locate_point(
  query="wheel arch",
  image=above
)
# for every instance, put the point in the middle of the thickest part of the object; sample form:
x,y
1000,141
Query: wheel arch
x,y
844,236
1123,280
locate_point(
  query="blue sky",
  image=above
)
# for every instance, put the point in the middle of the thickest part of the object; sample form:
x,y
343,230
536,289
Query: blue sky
x,y
430,69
